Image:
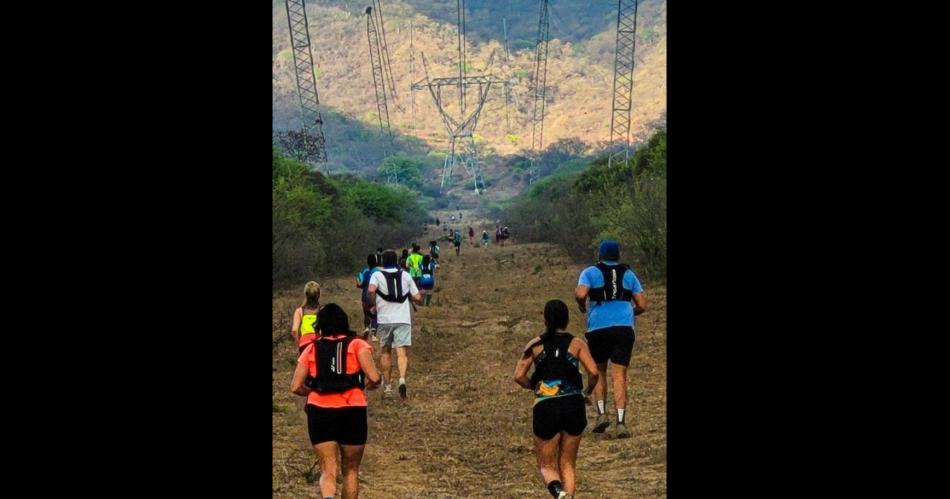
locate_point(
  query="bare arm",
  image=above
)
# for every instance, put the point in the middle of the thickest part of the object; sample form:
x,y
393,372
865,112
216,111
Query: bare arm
x,y
295,328
587,362
371,294
639,303
580,294
300,376
369,367
522,367
417,298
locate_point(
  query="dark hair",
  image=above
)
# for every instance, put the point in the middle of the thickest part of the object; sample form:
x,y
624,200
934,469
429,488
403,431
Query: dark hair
x,y
556,316
389,258
332,320
371,260
405,252
415,247
425,262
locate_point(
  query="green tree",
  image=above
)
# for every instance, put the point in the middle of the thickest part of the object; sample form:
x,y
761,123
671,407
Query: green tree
x,y
402,170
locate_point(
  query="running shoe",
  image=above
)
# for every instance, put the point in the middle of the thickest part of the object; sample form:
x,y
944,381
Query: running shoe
x,y
621,431
402,391
601,424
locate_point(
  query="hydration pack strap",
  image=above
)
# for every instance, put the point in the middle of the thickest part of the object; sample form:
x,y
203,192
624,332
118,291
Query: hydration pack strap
x,y
613,288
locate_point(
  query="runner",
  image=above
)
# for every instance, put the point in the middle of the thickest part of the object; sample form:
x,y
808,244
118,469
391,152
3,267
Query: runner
x,y
436,221
497,234
305,317
362,282
414,264
471,235
457,241
559,416
336,404
427,282
403,259
485,238
434,250
390,289
610,286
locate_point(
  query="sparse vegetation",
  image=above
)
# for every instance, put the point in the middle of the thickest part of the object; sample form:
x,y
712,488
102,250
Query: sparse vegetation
x,y
577,209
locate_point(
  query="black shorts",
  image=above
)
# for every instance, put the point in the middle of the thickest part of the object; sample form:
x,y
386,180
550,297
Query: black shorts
x,y
553,416
611,343
345,426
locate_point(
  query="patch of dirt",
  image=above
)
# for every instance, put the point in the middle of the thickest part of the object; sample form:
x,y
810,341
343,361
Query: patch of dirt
x,y
466,430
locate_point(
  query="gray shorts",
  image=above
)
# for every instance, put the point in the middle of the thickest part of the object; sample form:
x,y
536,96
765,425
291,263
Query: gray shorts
x,y
395,335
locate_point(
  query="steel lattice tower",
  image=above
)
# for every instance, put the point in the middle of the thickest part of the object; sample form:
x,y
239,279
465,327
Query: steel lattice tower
x,y
313,146
540,85
379,77
623,81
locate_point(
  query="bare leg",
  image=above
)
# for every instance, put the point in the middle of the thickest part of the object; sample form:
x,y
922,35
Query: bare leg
x,y
619,375
328,453
386,362
600,391
402,358
352,456
546,452
567,459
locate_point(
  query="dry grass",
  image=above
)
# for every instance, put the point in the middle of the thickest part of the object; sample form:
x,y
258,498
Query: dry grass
x,y
466,430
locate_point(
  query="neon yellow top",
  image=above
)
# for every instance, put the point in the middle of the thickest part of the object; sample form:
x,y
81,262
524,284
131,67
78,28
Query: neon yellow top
x,y
307,323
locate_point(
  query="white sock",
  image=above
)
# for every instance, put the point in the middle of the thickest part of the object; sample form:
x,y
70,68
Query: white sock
x,y
600,407
402,381
620,416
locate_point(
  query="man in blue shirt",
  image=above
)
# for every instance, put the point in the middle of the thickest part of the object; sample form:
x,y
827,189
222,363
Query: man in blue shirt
x,y
610,287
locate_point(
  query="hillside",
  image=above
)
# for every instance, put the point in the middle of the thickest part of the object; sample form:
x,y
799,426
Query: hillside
x,y
466,430
580,75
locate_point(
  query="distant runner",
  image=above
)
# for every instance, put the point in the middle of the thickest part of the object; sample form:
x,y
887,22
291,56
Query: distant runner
x,y
434,250
504,235
305,317
610,286
427,282
471,235
485,238
414,264
559,416
457,241
362,282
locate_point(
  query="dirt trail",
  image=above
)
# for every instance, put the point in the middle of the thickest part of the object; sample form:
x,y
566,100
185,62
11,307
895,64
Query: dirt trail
x,y
466,430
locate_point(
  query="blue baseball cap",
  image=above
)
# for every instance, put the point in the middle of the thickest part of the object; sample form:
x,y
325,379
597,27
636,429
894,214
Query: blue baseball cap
x,y
610,250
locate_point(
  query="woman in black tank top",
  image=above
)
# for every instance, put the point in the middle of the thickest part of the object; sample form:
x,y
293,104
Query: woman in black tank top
x,y
559,416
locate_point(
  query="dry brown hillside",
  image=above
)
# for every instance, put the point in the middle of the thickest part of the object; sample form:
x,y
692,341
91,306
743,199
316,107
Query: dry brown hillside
x,y
580,73
466,430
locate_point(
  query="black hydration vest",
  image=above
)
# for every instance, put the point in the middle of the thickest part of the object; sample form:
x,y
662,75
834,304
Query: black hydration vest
x,y
612,289
554,362
394,287
330,358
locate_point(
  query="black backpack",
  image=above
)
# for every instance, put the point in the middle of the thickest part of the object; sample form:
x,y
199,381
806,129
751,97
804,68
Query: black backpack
x,y
554,362
330,359
613,289
393,287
